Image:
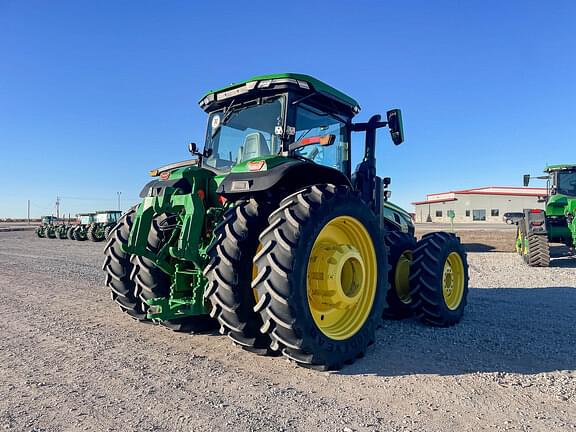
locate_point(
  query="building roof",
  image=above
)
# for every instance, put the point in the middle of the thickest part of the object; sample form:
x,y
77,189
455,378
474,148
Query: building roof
x,y
488,190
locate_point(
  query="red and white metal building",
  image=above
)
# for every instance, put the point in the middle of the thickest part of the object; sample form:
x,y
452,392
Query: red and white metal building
x,y
485,204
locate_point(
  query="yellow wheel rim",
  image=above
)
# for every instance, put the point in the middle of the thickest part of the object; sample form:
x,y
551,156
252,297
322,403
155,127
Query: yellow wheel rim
x,y
453,281
519,241
341,278
255,273
402,277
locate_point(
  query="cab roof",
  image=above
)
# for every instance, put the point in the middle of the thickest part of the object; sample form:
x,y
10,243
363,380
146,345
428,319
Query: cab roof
x,y
560,167
315,84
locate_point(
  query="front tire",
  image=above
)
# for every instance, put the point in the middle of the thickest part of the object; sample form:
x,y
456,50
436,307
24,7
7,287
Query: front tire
x,y
322,277
439,279
230,272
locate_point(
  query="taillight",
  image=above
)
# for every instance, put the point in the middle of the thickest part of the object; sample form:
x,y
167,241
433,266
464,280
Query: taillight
x,y
201,194
536,223
535,211
222,200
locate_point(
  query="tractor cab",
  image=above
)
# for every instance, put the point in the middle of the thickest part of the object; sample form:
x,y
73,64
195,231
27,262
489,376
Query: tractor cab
x,y
86,218
107,216
290,115
562,180
278,115
267,132
48,220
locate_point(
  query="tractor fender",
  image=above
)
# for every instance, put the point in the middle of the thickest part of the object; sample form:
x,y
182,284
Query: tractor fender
x,y
282,179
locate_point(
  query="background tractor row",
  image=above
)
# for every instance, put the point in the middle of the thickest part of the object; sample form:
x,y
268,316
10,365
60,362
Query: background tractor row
x,y
270,232
88,226
556,223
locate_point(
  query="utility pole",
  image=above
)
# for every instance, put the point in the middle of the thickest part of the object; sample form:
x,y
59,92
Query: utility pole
x,y
28,212
57,207
119,193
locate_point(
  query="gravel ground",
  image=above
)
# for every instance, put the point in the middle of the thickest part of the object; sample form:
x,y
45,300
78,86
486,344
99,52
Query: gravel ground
x,y
69,360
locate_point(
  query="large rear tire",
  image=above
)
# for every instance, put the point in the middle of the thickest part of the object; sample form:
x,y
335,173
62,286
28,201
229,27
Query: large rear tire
x,y
230,272
118,268
151,282
439,279
322,277
401,247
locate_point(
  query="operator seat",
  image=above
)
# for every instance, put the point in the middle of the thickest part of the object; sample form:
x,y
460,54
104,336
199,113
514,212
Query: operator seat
x,y
254,145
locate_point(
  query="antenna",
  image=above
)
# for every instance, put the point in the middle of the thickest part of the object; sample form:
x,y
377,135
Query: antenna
x,y
57,207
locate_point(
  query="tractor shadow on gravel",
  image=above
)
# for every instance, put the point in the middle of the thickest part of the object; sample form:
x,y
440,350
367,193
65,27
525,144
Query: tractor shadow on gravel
x,y
478,247
562,257
508,330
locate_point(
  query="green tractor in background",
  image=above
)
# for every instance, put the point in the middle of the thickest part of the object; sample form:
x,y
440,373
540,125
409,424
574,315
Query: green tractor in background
x,y
80,231
103,223
554,224
270,231
46,228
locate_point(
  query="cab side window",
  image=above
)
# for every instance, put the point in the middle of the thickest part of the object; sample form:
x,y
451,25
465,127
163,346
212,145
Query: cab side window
x,y
325,137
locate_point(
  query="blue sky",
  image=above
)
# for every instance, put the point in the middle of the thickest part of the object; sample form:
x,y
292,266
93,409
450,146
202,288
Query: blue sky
x,y
94,94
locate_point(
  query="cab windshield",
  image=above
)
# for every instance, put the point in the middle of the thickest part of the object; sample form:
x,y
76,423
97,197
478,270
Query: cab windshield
x,y
567,183
243,132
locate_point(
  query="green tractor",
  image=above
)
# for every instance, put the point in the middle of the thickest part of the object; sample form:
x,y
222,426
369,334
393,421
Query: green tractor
x,y
80,231
554,224
103,223
269,231
47,229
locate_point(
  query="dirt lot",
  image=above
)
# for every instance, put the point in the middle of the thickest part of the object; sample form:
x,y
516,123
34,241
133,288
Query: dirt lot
x,y
69,360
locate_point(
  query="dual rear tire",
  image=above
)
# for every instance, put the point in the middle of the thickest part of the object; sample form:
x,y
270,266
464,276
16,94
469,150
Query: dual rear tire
x,y
439,279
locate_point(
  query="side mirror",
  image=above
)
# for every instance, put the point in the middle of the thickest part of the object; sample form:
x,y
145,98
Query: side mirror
x,y
387,195
395,126
193,148
386,181
526,179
